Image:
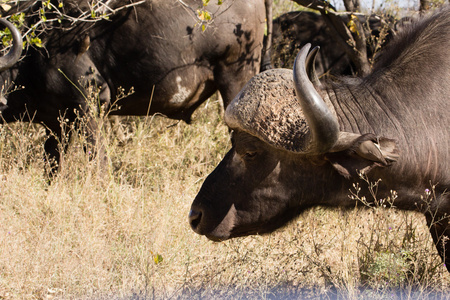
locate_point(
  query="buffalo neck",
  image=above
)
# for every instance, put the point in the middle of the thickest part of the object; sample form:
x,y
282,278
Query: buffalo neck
x,y
360,108
378,105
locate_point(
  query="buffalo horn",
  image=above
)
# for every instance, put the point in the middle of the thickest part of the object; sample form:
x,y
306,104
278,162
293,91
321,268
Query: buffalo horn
x,y
8,60
321,121
311,69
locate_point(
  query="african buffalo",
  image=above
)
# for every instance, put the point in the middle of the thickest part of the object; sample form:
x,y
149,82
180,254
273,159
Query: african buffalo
x,y
297,143
294,29
158,48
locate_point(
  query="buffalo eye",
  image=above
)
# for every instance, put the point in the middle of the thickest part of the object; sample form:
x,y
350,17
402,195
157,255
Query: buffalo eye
x,y
249,155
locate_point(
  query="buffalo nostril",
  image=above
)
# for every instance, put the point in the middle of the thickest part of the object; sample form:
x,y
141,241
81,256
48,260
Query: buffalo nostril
x,y
194,218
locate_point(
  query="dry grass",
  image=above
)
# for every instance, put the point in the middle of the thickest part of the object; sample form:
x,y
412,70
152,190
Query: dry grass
x,y
125,234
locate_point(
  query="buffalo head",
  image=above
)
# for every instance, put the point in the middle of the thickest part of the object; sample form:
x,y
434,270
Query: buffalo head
x,y
287,154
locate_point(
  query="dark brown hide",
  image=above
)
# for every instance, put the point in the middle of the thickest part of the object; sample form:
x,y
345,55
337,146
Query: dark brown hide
x,y
293,30
158,48
393,125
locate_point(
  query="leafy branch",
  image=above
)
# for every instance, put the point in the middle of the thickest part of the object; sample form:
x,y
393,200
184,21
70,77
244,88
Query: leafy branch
x,y
204,17
350,36
34,18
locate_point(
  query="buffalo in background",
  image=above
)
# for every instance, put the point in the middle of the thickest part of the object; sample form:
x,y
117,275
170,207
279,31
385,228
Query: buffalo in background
x,y
294,29
298,142
157,48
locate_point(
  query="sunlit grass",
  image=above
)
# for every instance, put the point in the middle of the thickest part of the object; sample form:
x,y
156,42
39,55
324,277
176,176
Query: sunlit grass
x,y
124,232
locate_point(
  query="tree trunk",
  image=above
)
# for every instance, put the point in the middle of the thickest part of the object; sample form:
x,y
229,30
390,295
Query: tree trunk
x,y
352,5
424,6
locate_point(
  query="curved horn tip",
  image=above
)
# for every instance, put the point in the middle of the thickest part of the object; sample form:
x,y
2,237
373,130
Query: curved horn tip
x,y
311,66
314,51
15,52
304,55
303,52
323,124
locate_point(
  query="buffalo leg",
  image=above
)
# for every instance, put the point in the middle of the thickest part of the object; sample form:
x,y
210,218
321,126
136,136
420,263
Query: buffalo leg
x,y
440,231
57,143
52,148
96,144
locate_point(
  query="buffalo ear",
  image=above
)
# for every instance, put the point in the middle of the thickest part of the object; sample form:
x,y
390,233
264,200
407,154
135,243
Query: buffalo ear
x,y
362,153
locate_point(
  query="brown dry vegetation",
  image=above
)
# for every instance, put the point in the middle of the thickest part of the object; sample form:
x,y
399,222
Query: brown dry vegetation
x,y
124,233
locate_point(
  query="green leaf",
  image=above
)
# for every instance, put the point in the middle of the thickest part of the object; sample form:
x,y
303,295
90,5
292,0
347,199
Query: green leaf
x,y
18,19
36,42
5,40
158,259
204,15
47,4
219,2
42,13
352,24
205,2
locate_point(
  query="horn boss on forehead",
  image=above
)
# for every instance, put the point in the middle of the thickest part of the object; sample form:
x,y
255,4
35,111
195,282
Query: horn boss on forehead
x,y
267,108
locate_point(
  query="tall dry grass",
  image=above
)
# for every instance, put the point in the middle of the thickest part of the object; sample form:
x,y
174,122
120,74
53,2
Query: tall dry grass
x,y
123,232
